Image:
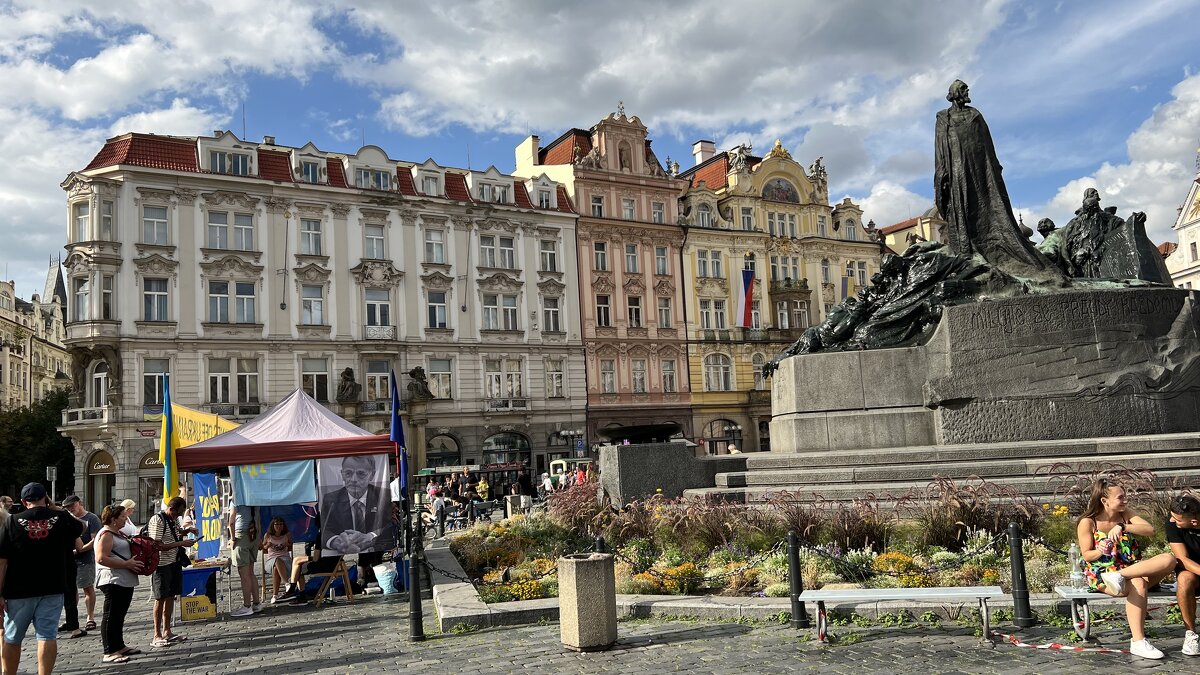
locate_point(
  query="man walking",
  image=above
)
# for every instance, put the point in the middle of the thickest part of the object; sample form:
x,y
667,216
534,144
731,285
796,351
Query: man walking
x,y
85,569
33,547
167,581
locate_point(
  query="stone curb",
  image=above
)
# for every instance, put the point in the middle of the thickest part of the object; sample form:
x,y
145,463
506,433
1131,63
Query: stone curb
x,y
457,603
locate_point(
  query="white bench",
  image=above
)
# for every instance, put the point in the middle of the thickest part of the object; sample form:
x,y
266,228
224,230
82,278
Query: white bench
x,y
941,594
1081,616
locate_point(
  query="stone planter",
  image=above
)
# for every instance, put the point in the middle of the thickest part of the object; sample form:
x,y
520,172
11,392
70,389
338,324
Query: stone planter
x,y
587,597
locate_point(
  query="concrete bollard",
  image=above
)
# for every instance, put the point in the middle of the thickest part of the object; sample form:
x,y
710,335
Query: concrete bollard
x,y
512,505
587,599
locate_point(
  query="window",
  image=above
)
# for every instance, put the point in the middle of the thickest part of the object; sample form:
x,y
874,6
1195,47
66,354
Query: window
x,y
660,260
719,313
608,376
487,250
430,185
634,306
509,312
755,315
658,212
239,164
781,315
502,378
218,380
99,390
631,258
500,312
638,370
1192,250
373,179
154,299
543,197
311,172
821,227
600,249
555,378
508,254
715,265
664,312
702,264
668,376
435,247
799,314
862,273
706,319
106,220
107,287
379,307
314,378
243,231
795,273
851,231
373,242
627,209
437,309
825,270
154,376
439,378
757,362
603,317
747,219
491,312
377,388
217,162
549,256
551,319
310,236
247,381
771,223
718,375
82,290
748,263
704,215
312,306
708,263
218,230
154,225
597,206
244,311
218,302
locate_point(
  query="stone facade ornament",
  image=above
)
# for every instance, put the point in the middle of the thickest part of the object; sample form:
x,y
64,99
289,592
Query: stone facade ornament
x,y
377,274
238,199
436,280
500,282
778,151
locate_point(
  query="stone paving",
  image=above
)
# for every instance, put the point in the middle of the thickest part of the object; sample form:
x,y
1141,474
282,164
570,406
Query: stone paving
x,y
370,636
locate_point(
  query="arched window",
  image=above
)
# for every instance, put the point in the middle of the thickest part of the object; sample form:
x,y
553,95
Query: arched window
x,y
506,448
720,434
442,451
98,391
718,373
625,156
704,216
851,231
760,383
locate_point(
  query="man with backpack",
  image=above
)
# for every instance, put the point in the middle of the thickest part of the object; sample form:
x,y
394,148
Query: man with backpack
x,y
167,580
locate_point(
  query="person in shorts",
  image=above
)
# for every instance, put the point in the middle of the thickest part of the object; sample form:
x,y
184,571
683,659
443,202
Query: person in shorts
x,y
167,581
34,546
1183,535
243,537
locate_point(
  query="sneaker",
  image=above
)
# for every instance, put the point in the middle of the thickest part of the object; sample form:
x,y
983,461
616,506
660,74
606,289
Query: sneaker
x,y
1191,644
1144,649
256,607
289,593
299,600
1116,582
274,599
242,611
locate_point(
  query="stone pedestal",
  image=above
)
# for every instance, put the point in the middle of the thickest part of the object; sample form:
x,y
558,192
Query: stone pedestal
x,y
512,505
587,598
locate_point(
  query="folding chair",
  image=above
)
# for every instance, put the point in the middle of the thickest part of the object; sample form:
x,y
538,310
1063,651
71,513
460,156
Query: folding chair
x,y
338,572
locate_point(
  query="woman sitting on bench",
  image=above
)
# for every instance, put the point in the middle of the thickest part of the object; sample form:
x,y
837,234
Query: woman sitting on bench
x,y
1113,559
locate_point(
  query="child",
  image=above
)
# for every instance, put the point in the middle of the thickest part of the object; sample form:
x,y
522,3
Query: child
x,y
277,550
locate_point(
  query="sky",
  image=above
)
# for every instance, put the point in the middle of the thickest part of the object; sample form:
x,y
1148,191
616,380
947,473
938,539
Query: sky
x,y
1077,94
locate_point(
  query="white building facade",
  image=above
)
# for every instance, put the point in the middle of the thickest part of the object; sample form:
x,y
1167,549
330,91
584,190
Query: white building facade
x,y
1184,261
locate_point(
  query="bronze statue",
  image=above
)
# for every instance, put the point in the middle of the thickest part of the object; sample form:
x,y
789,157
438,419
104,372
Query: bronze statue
x,y
418,389
348,389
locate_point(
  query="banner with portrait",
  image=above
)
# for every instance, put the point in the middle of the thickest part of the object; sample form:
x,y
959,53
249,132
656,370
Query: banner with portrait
x,y
356,504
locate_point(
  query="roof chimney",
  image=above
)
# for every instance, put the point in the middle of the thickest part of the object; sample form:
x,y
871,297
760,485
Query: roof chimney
x,y
703,151
527,154
268,140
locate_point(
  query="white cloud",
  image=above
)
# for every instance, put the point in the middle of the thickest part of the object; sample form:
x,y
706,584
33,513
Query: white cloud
x,y
889,203
180,119
1158,174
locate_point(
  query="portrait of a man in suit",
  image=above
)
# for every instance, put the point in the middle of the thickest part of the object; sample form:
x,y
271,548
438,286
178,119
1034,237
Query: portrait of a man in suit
x,y
356,509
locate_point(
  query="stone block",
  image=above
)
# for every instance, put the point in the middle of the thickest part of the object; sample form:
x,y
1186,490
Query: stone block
x,y
629,472
587,595
893,377
818,382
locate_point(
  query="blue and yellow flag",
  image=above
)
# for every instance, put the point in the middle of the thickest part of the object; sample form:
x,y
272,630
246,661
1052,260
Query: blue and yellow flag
x,y
181,427
168,444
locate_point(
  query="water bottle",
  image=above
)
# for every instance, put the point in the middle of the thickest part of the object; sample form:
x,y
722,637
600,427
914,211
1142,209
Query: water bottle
x,y
1076,559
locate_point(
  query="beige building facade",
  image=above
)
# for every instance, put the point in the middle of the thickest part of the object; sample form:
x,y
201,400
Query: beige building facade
x,y
1183,261
33,359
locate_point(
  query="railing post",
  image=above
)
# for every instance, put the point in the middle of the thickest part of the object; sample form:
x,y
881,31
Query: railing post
x,y
1022,615
416,622
600,546
799,613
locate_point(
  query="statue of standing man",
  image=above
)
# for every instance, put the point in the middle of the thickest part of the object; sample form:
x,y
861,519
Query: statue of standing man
x,y
970,194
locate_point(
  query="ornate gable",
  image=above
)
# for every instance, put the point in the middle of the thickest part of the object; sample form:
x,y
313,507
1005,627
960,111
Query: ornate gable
x,y
232,266
437,280
500,282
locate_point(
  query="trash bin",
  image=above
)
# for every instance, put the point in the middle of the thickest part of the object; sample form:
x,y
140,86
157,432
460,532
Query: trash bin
x,y
587,599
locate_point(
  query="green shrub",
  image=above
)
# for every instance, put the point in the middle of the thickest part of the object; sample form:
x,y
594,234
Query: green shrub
x,y
641,584
640,553
777,590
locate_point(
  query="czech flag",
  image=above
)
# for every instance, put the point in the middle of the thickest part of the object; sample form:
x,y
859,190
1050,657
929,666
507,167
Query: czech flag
x,y
167,447
745,316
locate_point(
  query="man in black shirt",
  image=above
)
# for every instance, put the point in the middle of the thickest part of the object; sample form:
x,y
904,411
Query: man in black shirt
x,y
1183,535
33,547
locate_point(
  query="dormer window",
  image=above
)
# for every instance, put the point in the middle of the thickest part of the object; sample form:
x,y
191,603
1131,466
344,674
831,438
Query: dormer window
x,y
493,193
543,197
430,185
232,163
373,179
310,171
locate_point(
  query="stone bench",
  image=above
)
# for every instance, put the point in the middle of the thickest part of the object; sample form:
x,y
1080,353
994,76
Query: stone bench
x,y
1081,616
941,594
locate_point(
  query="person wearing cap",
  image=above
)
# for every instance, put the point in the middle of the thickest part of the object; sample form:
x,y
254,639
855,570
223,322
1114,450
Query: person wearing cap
x,y
85,566
34,544
130,529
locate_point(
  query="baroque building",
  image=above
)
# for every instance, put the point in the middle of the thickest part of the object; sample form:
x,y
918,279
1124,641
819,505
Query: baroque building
x,y
241,270
630,295
1183,260
33,359
766,226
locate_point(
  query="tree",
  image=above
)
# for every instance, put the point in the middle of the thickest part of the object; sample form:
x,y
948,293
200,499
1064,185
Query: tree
x,y
30,442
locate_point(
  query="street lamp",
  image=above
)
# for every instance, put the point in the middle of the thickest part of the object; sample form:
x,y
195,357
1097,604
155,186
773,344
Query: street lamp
x,y
570,435
734,431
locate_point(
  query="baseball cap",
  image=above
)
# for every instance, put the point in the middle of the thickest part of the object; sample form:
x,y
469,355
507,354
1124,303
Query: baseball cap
x,y
33,492
71,499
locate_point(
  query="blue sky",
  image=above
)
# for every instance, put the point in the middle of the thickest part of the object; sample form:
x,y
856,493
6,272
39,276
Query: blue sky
x,y
1077,94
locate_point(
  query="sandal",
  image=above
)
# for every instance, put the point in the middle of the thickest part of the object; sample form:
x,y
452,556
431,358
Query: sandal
x,y
176,637
78,634
159,642
114,658
91,625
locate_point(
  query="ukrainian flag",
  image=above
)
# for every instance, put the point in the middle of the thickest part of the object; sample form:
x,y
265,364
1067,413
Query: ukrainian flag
x,y
167,447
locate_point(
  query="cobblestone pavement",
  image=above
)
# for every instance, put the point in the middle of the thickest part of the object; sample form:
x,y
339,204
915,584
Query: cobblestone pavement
x,y
370,636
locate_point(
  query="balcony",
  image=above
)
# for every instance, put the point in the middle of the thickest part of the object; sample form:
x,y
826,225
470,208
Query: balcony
x,y
799,285
771,334
75,416
236,410
380,332
378,407
710,335
505,404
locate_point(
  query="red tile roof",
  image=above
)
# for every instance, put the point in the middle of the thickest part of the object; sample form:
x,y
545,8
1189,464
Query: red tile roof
x,y
337,174
404,182
147,150
456,187
1167,248
902,225
564,202
562,149
521,195
273,165
713,172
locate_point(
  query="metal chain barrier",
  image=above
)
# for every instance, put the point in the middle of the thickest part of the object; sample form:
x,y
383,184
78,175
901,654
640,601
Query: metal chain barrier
x,y
1033,538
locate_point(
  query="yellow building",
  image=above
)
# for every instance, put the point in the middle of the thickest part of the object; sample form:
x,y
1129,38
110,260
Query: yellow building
x,y
929,226
769,220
